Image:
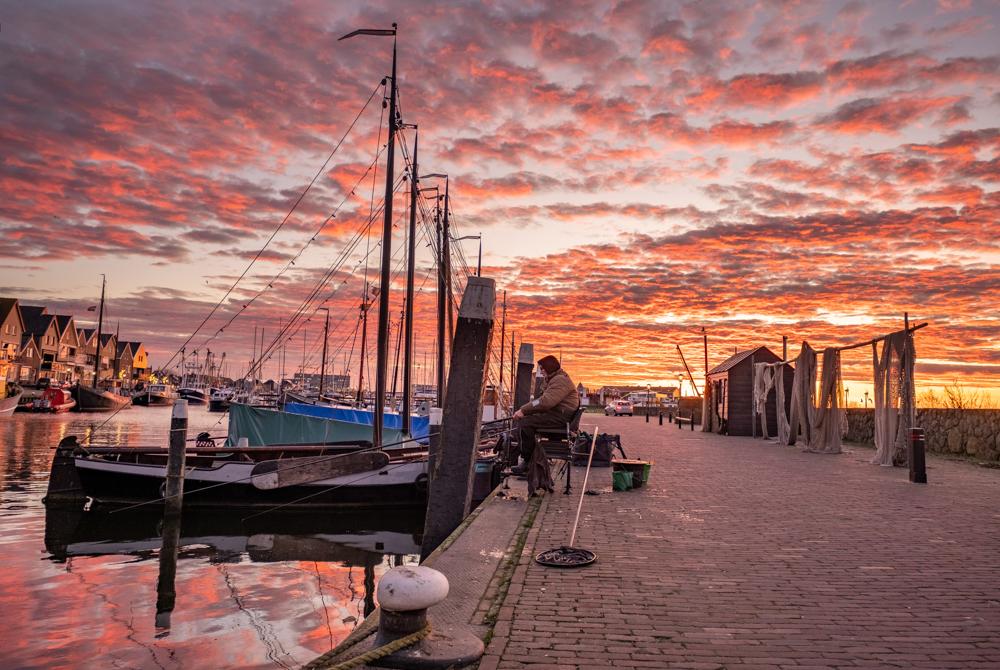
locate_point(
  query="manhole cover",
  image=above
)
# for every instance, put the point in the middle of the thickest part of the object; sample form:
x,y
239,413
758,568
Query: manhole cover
x,y
566,557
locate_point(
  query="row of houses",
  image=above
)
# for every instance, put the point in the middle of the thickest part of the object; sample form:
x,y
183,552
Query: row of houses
x,y
35,344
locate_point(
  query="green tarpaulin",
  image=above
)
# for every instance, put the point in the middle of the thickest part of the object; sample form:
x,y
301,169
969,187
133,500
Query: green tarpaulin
x,y
264,427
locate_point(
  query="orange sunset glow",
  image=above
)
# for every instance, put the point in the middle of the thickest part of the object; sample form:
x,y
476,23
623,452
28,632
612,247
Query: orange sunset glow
x,y
638,171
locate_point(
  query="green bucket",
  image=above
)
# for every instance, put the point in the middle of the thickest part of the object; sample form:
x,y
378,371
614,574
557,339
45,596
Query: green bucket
x,y
621,480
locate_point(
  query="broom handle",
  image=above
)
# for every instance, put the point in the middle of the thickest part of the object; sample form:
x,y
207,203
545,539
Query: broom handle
x,y
583,489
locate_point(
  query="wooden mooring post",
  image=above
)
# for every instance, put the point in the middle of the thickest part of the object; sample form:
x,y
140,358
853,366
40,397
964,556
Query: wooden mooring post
x,y
525,368
174,490
450,494
173,495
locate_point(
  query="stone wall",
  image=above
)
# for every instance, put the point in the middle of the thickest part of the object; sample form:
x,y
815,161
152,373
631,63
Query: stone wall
x,y
967,432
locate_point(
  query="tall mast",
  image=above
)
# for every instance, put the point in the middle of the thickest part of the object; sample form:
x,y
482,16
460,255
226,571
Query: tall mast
x,y
441,305
395,358
322,366
382,353
364,341
446,236
411,253
100,326
503,331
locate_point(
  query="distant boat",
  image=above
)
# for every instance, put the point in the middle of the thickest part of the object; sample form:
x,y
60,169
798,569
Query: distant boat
x,y
53,401
219,399
92,398
155,395
194,395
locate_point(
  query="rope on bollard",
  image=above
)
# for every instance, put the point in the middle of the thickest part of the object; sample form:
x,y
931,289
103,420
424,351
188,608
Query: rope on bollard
x,y
373,655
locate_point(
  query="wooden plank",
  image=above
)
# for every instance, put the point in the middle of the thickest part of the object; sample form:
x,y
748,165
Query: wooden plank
x,y
277,474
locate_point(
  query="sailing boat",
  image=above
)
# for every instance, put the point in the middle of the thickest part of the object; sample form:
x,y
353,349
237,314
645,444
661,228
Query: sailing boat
x,y
93,398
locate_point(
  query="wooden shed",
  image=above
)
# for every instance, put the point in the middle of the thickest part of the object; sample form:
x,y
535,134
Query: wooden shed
x,y
732,393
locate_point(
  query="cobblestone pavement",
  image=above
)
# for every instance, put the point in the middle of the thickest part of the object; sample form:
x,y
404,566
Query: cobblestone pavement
x,y
744,554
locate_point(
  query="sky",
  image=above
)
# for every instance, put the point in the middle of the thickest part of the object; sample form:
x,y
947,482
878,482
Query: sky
x,y
637,170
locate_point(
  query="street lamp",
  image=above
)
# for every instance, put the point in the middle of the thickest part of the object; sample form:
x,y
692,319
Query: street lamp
x,y
479,264
866,399
847,400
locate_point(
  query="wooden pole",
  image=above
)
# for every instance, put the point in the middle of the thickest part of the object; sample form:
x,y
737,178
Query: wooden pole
x,y
450,495
583,489
690,376
882,337
166,593
174,493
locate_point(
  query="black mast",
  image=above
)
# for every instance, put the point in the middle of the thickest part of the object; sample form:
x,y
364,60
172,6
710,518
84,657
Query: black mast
x,y
364,341
322,366
382,355
440,306
100,326
411,253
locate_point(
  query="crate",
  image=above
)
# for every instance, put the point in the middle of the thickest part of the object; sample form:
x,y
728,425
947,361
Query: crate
x,y
640,470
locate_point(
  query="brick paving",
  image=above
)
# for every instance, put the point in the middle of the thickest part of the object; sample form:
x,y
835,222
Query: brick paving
x,y
744,554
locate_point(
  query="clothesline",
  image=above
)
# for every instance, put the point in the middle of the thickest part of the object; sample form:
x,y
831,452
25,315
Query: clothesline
x,y
879,339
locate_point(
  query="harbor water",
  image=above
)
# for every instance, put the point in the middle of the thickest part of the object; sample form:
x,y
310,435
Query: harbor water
x,y
80,589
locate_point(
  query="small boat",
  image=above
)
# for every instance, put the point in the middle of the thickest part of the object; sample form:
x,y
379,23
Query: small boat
x,y
53,401
90,399
9,404
194,395
155,395
219,399
303,476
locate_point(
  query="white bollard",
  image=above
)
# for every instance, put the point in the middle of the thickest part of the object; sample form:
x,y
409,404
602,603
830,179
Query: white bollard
x,y
404,596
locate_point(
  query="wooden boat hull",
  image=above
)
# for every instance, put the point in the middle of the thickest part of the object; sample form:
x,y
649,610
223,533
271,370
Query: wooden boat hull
x,y
193,396
218,405
116,483
153,400
89,399
8,405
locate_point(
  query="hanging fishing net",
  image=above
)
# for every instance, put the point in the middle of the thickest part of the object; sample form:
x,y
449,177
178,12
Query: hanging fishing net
x,y
764,375
803,405
830,422
893,397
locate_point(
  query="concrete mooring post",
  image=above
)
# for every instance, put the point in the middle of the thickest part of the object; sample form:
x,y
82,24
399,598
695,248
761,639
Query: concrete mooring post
x,y
451,489
525,368
174,490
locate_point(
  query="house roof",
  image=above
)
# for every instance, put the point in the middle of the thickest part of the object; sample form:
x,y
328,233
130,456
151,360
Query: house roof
x,y
739,357
123,345
36,320
6,306
106,338
62,322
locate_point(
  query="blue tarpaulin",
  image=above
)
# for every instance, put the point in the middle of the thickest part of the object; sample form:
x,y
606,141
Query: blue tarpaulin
x,y
418,424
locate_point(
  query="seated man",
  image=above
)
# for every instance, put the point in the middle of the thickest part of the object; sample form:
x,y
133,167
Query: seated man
x,y
552,409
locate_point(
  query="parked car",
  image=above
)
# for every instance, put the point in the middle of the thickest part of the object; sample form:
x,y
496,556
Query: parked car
x,y
618,407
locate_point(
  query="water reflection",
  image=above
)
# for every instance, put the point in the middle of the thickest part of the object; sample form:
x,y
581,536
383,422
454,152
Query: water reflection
x,y
225,537
83,589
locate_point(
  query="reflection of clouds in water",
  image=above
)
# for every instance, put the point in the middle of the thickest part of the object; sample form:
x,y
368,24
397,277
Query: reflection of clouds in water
x,y
264,593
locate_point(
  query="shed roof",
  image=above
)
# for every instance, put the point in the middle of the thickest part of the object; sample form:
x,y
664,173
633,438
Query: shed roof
x,y
738,358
